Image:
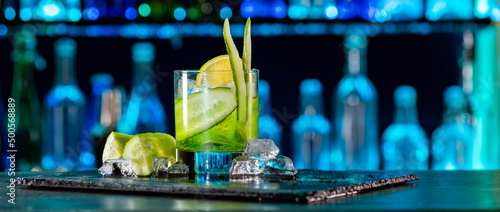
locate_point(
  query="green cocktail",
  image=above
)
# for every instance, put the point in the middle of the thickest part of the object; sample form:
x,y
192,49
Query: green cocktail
x,y
207,121
217,108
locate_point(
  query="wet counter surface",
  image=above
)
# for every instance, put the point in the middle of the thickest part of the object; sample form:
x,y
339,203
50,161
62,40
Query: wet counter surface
x,y
436,190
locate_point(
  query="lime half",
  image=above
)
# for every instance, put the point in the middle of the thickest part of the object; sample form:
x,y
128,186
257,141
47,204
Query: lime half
x,y
142,149
114,146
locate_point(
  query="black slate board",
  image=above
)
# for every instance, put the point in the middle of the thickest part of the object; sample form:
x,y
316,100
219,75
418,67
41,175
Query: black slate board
x,y
309,186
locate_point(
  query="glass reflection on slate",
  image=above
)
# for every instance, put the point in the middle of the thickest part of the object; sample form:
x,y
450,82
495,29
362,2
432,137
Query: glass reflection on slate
x,y
449,10
355,146
311,130
145,113
64,115
404,142
452,141
27,121
268,126
99,118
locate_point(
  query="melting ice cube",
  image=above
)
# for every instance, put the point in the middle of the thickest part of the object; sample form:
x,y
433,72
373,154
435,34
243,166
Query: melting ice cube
x,y
264,149
178,169
160,166
246,165
116,167
281,165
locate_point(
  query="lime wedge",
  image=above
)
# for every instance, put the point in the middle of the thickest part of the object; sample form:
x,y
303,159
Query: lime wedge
x,y
115,143
203,110
142,149
238,74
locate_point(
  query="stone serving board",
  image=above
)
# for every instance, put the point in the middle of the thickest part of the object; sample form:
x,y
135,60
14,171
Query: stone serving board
x,y
309,186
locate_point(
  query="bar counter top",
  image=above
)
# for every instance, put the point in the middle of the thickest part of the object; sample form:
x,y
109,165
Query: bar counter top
x,y
436,190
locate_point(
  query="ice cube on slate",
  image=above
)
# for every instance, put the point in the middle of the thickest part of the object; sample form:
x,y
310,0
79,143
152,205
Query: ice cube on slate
x,y
264,149
178,169
160,166
117,166
246,165
281,165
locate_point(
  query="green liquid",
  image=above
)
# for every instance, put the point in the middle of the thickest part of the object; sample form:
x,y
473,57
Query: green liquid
x,y
227,136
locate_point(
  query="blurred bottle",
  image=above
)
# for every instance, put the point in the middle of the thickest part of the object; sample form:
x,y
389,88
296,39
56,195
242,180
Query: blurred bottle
x,y
268,126
54,10
486,93
99,121
265,8
9,10
311,130
355,146
439,10
353,9
452,141
404,143
312,9
64,115
27,9
397,10
27,113
145,113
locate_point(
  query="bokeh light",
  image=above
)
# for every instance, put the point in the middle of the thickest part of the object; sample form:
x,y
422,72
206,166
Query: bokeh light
x,y
10,13
144,10
130,13
179,14
226,12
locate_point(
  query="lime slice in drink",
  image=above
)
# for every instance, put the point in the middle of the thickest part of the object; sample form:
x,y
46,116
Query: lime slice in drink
x,y
115,143
142,149
203,110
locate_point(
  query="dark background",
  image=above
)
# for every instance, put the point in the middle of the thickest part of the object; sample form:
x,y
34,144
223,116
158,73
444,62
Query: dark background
x,y
427,62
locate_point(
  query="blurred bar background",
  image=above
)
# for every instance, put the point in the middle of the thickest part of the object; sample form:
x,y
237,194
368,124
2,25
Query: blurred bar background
x,y
346,84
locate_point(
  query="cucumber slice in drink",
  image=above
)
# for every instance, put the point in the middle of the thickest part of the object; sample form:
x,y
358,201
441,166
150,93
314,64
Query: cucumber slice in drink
x,y
142,149
114,145
201,111
247,47
238,74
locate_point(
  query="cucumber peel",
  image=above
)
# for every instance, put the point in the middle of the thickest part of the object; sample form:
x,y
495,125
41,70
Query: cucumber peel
x,y
249,77
238,73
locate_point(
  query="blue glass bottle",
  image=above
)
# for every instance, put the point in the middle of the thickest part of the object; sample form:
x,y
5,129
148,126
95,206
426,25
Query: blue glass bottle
x,y
452,141
268,126
311,130
404,142
64,115
99,122
449,10
355,146
145,113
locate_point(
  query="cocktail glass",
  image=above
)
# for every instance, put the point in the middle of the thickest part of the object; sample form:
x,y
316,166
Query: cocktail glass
x,y
211,127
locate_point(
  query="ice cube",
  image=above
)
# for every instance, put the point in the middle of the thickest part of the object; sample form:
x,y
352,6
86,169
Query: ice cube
x,y
178,169
116,167
106,169
246,165
160,166
264,149
281,165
